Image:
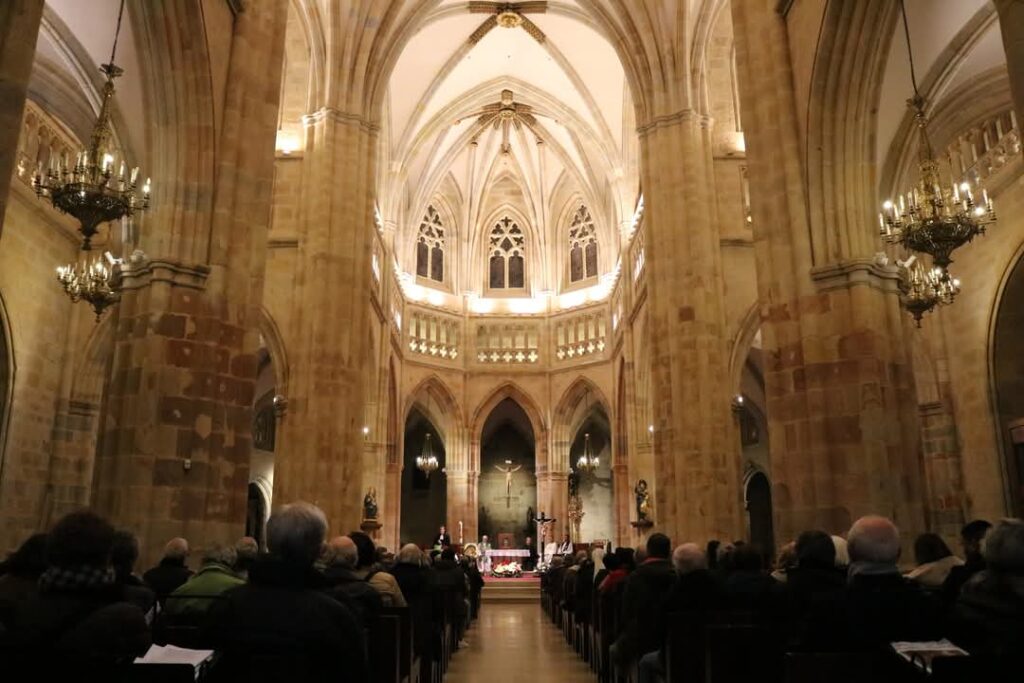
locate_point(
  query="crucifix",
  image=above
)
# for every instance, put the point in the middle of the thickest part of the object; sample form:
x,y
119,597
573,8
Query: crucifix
x,y
508,470
543,522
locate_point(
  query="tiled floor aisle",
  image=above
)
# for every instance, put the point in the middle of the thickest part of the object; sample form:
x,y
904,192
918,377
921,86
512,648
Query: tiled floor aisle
x,y
516,643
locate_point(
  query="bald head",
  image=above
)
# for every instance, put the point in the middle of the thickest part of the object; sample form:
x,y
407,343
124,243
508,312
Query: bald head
x,y
343,552
689,557
874,539
176,549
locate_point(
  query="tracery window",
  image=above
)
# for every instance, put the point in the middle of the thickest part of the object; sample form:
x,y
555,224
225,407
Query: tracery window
x,y
430,247
582,246
507,253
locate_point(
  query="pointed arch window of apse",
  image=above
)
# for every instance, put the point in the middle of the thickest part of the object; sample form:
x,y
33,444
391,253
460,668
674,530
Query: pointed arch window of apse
x,y
582,246
430,247
507,251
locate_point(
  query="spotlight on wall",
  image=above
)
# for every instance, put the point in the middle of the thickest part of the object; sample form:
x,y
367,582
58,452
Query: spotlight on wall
x,y
737,403
366,432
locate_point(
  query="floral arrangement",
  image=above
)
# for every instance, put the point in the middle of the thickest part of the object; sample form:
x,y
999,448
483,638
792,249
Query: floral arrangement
x,y
507,570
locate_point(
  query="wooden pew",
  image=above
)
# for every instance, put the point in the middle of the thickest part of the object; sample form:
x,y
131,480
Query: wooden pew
x,y
408,663
385,648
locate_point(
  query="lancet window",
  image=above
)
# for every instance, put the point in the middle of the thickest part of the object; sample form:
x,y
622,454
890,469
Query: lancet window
x,y
430,247
507,254
582,246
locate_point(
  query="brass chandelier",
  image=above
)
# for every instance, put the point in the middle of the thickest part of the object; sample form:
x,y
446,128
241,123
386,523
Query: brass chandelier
x,y
932,218
922,289
91,190
426,461
587,462
92,282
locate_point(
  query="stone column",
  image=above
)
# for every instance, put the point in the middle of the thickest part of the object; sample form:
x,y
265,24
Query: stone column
x,y
622,494
840,394
1011,22
176,432
19,31
696,485
320,444
460,507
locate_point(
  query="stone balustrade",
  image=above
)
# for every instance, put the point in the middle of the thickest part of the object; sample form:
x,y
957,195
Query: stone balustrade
x,y
43,140
433,334
508,342
581,335
980,152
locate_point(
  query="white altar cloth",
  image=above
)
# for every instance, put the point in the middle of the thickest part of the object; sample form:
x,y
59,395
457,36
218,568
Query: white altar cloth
x,y
507,553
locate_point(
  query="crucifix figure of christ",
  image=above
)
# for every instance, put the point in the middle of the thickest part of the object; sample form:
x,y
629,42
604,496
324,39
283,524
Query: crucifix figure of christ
x,y
508,470
543,524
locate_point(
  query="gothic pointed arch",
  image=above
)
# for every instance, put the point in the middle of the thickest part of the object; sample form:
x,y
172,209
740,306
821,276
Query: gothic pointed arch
x,y
431,246
435,400
572,409
506,254
582,246
530,407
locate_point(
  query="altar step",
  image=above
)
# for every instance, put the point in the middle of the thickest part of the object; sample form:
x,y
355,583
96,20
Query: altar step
x,y
506,592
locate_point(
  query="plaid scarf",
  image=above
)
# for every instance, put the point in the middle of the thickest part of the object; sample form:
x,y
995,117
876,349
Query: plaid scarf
x,y
76,578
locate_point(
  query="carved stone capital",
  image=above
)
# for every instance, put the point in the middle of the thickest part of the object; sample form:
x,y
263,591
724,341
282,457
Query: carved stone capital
x,y
856,272
139,271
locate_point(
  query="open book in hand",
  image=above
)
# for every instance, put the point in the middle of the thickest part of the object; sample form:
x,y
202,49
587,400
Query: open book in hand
x,y
921,653
169,654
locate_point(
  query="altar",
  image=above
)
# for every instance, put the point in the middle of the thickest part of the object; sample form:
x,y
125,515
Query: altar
x,y
500,555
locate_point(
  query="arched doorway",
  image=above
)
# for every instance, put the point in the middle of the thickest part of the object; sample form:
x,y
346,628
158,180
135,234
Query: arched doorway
x,y
256,514
507,487
264,443
1008,380
759,512
424,497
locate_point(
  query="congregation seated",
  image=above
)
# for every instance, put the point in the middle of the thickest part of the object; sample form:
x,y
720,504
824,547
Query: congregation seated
x,y
881,606
988,617
77,619
246,551
343,584
451,577
123,555
172,571
215,577
972,535
369,570
19,574
815,588
747,587
934,561
619,565
643,602
281,626
412,577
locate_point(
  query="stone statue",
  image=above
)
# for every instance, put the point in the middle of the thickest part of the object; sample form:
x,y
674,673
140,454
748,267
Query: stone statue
x,y
370,504
643,501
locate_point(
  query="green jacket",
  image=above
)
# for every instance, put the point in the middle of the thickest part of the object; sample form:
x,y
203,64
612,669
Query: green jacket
x,y
192,597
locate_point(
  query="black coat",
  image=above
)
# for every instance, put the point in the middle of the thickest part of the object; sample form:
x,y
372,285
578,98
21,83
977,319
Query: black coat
x,y
988,618
281,626
413,579
355,593
643,607
816,605
75,630
883,608
167,577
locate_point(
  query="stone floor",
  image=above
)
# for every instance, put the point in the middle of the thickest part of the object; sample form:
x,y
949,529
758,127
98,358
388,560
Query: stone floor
x,y
513,643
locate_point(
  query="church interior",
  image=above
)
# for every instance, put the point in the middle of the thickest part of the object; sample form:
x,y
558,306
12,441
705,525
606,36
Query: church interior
x,y
583,272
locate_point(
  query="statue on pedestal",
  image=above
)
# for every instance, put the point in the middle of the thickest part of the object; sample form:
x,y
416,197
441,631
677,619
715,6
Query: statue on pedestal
x,y
370,504
643,501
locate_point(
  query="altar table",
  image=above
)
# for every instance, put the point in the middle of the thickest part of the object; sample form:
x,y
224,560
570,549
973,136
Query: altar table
x,y
506,554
